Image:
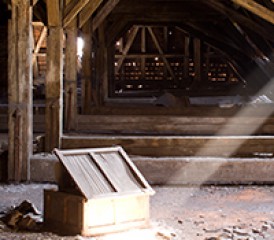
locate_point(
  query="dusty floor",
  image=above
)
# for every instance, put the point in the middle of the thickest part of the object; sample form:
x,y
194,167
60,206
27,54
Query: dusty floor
x,y
237,213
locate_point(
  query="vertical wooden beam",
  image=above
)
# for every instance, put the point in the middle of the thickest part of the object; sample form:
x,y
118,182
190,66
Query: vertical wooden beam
x,y
197,59
143,50
88,97
71,76
20,91
186,58
54,77
103,65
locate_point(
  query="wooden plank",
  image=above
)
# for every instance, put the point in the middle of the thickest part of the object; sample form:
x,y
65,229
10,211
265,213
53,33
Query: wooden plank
x,y
20,91
54,13
257,9
178,146
73,8
88,96
103,13
54,88
158,46
87,12
71,76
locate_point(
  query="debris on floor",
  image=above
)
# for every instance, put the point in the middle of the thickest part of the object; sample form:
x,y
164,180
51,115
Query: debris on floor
x,y
245,232
23,217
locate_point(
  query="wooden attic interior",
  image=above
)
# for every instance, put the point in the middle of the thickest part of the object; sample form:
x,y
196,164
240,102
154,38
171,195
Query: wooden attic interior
x,y
149,67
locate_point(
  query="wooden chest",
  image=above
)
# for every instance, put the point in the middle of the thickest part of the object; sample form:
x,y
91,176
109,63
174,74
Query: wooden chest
x,y
100,191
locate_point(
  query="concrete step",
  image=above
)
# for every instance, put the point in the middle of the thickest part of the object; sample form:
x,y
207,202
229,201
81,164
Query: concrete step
x,y
179,170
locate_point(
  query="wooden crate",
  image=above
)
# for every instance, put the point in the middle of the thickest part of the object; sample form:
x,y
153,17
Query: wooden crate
x,y
103,199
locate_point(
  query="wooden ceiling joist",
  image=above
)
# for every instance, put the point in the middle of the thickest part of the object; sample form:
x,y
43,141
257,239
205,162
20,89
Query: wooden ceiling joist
x,y
257,9
73,9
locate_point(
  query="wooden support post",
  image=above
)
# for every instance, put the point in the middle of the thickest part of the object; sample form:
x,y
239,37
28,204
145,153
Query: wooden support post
x,y
186,58
88,97
20,91
71,76
102,75
143,50
54,77
197,60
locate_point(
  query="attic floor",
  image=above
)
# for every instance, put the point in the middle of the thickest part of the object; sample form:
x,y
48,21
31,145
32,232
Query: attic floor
x,y
183,213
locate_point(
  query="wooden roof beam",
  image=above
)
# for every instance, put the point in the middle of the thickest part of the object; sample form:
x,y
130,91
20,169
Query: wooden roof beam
x,y
73,9
256,9
34,2
104,12
87,12
239,18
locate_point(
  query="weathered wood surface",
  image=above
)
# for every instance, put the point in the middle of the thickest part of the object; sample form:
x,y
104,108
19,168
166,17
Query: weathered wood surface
x,y
96,216
72,9
54,77
71,76
257,9
136,124
20,91
86,14
88,96
159,146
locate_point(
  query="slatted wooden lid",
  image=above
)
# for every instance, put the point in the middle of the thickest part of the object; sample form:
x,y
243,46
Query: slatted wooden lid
x,y
103,171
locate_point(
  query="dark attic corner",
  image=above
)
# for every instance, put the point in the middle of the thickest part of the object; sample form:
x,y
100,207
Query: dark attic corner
x,y
105,102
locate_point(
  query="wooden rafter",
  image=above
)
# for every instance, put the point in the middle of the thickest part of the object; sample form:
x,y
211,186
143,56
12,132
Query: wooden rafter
x,y
103,13
235,16
131,38
87,12
257,9
34,2
73,9
39,44
143,50
157,44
